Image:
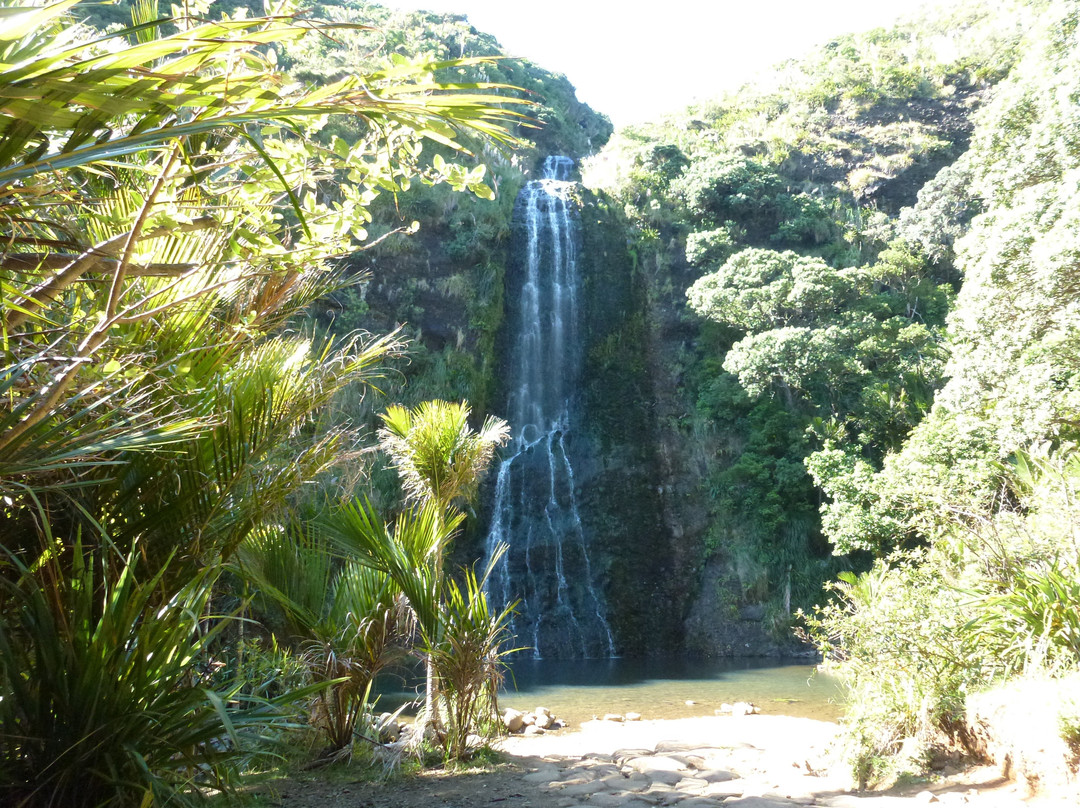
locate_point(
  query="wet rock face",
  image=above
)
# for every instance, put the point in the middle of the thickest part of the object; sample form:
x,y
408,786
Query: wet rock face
x,y
635,554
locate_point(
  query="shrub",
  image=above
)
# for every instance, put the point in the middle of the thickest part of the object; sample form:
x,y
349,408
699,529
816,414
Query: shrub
x,y
104,688
894,635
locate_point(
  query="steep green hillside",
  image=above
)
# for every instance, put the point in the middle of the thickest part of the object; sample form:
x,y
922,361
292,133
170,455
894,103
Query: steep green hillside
x,y
863,341
813,222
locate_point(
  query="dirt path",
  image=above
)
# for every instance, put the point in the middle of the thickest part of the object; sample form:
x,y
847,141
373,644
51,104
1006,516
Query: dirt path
x,y
743,762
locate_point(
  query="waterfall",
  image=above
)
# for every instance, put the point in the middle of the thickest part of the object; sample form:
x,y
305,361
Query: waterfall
x,y
547,569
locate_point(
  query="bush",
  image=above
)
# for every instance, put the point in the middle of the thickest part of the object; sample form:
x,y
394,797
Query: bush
x,y
468,661
105,697
894,635
996,599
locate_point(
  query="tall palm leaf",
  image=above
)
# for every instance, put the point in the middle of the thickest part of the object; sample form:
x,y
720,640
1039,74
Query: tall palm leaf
x,y
440,460
405,550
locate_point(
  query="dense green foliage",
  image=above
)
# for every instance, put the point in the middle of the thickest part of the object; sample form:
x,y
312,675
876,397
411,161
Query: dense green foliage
x,y
792,212
831,333
169,207
881,249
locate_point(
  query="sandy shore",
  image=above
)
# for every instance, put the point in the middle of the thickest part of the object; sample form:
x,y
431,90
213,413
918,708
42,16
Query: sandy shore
x,y
758,761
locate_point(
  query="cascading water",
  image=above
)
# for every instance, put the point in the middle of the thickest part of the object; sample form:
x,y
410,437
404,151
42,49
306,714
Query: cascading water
x,y
546,568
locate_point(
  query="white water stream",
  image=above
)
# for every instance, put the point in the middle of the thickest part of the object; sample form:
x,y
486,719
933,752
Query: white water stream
x,y
546,568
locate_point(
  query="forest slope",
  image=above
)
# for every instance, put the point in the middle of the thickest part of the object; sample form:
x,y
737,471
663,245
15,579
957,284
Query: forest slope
x,y
880,263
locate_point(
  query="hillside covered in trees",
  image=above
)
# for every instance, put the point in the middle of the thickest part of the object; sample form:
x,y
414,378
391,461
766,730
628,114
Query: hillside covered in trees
x,y
829,391
861,284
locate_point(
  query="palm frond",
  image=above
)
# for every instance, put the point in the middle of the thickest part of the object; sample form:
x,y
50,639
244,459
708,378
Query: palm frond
x,y
437,455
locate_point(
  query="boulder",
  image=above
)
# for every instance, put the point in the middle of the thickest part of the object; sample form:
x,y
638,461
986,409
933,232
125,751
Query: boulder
x,y
513,720
532,729
659,769
744,708
633,716
738,708
613,717
547,773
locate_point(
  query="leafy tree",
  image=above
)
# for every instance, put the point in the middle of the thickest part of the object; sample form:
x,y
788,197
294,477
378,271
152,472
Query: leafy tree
x,y
1011,329
757,290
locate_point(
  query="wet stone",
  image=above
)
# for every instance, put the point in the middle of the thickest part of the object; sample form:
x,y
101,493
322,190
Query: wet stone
x,y
730,788
758,802
692,784
580,789
654,765
689,761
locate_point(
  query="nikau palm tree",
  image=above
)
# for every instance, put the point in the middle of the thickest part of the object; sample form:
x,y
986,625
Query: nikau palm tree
x,y
440,461
438,456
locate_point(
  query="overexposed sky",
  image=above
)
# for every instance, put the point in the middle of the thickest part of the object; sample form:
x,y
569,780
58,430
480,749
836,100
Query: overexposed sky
x,y
636,60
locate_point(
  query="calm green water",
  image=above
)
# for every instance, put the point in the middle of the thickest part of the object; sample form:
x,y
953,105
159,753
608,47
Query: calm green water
x,y
578,690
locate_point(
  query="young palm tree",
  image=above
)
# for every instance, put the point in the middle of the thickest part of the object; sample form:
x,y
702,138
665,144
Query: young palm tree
x,y
468,658
440,460
463,640
439,457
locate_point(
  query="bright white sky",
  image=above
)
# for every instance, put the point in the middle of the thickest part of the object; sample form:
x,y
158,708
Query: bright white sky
x,y
636,60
